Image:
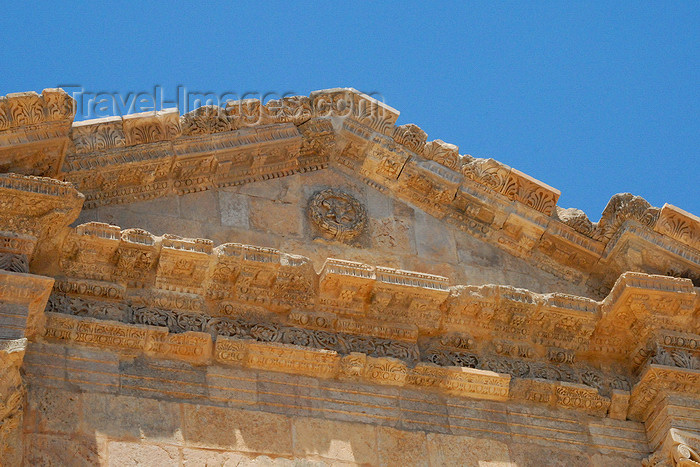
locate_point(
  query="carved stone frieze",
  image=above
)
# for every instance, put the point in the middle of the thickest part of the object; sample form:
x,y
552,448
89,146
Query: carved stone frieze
x,y
488,173
630,353
37,206
290,109
345,286
530,192
429,185
183,263
384,160
318,146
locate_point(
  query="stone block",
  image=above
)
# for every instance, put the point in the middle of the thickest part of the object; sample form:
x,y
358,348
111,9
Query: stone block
x,y
123,454
275,217
234,209
131,418
237,430
52,410
231,387
350,442
200,206
445,449
531,455
51,449
433,240
397,447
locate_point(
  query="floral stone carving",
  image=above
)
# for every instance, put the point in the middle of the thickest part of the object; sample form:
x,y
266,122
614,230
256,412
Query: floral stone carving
x,y
337,215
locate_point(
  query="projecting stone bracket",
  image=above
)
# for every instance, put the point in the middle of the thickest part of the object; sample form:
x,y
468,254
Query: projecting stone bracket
x,y
679,449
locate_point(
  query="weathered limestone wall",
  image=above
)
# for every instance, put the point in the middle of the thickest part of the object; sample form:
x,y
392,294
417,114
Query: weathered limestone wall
x,y
273,213
88,406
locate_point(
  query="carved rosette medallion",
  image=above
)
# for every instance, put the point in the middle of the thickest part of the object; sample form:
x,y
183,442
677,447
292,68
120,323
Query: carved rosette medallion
x,y
337,215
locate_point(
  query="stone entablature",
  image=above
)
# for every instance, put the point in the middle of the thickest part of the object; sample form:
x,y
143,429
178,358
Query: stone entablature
x,y
630,356
558,349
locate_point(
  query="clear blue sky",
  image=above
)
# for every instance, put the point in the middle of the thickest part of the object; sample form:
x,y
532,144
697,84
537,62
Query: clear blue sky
x,y
593,98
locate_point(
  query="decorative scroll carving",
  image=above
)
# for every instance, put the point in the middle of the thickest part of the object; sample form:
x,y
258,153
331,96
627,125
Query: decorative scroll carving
x,y
487,172
291,109
621,207
151,127
410,136
337,215
195,347
98,135
680,448
205,120
530,192
349,103
329,321
679,225
319,363
579,398
443,153
183,321
25,108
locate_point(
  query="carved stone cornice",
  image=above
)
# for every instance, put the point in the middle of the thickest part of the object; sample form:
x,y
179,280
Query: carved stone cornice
x,y
34,131
34,213
148,155
572,352
658,381
638,306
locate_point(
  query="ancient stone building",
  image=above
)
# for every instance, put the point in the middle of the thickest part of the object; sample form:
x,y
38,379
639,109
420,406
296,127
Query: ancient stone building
x,y
305,281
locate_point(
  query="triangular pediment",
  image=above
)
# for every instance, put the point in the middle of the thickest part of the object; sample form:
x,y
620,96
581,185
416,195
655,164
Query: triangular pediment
x,y
224,172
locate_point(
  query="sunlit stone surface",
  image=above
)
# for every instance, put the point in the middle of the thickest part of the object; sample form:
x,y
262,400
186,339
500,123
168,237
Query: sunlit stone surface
x,y
304,282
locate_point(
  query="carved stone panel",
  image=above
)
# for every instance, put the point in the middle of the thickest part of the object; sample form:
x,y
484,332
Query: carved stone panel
x,y
337,215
